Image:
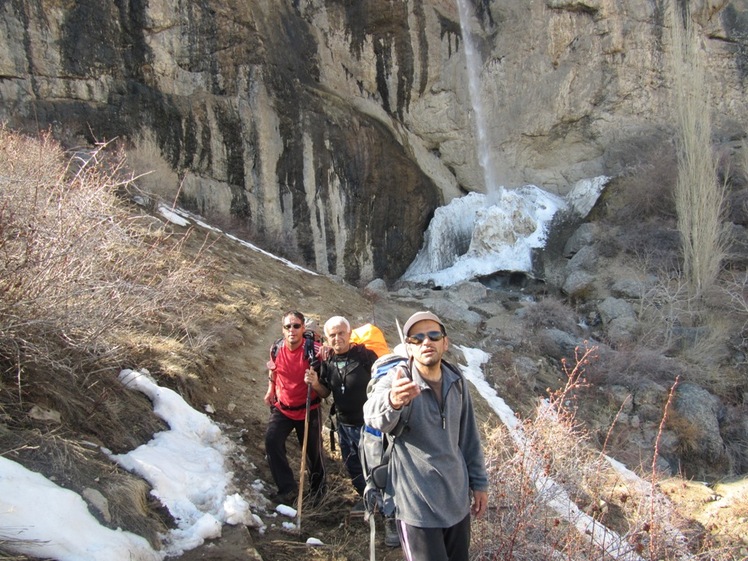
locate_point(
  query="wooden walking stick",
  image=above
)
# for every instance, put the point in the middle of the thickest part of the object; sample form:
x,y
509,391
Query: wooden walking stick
x,y
303,457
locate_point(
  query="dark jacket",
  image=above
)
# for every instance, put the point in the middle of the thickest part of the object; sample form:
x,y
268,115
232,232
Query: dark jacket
x,y
347,376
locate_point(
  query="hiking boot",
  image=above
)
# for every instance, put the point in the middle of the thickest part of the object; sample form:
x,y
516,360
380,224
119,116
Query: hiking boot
x,y
359,509
286,498
391,537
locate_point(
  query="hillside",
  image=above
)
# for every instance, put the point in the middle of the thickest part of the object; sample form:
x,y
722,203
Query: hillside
x,y
258,290
206,333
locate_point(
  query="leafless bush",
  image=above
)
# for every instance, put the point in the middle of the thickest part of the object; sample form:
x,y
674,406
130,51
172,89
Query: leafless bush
x,y
85,285
77,268
655,244
667,306
553,490
550,313
645,188
557,497
636,366
693,328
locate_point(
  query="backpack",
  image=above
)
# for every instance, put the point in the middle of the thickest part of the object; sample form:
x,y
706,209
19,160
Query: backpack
x,y
372,338
376,448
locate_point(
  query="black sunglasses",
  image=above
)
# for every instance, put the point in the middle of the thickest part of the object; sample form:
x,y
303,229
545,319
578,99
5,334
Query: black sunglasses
x,y
419,338
292,326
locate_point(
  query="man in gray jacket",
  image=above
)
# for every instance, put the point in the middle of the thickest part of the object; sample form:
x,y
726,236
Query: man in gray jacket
x,y
436,472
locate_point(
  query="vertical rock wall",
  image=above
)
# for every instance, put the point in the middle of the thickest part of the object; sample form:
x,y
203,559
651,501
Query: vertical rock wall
x,y
333,129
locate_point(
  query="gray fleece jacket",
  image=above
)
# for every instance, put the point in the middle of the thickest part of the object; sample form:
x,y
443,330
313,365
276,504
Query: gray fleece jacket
x,y
438,457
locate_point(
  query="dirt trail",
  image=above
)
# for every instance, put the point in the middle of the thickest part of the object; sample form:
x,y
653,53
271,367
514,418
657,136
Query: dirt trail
x,y
259,289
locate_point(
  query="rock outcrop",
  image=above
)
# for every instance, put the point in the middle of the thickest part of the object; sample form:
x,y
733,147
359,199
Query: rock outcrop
x,y
332,129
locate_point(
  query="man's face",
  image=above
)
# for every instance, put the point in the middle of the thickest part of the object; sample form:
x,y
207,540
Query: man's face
x,y
429,352
293,331
339,338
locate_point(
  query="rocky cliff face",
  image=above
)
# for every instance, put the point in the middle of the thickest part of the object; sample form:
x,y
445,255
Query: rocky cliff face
x,y
336,128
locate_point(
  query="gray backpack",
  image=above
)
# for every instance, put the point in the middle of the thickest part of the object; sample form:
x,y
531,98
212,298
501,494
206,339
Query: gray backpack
x,y
375,448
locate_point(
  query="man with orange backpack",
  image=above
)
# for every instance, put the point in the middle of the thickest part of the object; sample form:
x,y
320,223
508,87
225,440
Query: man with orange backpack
x,y
292,360
345,374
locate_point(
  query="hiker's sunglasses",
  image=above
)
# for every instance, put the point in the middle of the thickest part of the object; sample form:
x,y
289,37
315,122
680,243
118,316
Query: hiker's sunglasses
x,y
419,338
290,326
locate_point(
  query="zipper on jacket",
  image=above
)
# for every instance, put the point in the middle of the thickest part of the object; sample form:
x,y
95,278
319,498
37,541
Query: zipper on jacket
x,y
442,406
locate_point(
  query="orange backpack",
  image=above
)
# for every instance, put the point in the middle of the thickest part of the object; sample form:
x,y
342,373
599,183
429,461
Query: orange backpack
x,y
372,338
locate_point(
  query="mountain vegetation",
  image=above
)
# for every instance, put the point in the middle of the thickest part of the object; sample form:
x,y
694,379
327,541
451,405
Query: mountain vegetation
x,y
622,357
93,282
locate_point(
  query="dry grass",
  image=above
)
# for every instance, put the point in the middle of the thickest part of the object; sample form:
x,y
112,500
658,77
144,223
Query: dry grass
x,y
77,268
532,477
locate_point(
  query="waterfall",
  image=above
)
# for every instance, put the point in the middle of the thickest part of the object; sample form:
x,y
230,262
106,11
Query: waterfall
x,y
479,234
473,63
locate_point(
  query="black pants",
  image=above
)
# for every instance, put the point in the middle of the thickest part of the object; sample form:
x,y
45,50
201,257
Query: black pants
x,y
278,429
435,544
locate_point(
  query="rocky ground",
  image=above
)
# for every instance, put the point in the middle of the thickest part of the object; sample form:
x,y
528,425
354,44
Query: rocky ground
x,y
258,289
244,319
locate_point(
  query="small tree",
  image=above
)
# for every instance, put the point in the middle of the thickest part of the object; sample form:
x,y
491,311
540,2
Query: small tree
x,y
699,196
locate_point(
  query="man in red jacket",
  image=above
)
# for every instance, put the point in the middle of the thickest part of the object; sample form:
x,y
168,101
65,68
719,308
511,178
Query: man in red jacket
x,y
287,397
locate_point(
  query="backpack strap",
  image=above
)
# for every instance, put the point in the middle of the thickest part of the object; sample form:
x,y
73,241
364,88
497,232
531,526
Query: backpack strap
x,y
404,419
333,412
274,348
310,351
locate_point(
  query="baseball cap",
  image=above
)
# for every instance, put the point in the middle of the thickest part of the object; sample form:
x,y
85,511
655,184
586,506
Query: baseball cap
x,y
421,316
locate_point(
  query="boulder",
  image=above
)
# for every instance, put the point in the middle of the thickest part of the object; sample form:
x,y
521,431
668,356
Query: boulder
x,y
578,284
615,308
696,418
582,236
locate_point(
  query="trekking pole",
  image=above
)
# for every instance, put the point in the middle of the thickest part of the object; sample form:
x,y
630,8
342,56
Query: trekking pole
x,y
303,456
372,537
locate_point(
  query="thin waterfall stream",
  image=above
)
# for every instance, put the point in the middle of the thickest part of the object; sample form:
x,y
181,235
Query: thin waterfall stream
x,y
487,236
473,65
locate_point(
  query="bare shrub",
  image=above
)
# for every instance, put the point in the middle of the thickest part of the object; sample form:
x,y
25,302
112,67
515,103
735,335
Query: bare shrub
x,y
708,347
84,282
634,367
666,307
557,497
732,165
699,197
645,188
550,313
680,324
78,271
655,244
